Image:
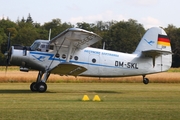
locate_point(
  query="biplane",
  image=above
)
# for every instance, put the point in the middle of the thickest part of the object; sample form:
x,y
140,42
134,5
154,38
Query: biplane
x,y
69,54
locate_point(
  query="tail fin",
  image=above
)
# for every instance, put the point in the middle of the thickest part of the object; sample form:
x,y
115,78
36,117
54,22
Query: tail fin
x,y
154,39
156,45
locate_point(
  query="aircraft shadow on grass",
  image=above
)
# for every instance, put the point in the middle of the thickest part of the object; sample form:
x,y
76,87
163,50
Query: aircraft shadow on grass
x,y
10,91
18,91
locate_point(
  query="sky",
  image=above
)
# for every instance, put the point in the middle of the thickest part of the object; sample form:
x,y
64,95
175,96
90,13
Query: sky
x,y
149,13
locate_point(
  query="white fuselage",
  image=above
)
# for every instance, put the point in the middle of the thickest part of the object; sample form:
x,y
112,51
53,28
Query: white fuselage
x,y
99,62
68,54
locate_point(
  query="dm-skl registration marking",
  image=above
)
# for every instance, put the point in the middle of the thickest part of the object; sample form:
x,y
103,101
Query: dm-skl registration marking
x,y
126,65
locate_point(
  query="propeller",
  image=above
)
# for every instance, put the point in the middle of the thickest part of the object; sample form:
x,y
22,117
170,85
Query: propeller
x,y
8,52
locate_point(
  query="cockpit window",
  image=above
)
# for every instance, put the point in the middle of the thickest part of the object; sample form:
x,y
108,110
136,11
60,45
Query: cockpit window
x,y
44,47
40,46
35,45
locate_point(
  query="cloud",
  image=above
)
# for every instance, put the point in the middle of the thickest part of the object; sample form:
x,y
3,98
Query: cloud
x,y
3,17
105,16
151,22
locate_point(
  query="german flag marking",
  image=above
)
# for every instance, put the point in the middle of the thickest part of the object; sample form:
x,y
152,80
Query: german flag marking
x,y
163,40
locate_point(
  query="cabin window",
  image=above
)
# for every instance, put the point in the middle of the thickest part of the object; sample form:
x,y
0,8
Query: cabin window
x,y
75,57
63,56
57,55
93,60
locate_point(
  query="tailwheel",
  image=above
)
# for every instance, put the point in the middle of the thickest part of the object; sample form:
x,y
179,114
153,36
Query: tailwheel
x,y
33,86
41,87
145,80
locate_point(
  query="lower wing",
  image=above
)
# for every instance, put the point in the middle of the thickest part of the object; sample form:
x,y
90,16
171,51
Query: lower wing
x,y
67,68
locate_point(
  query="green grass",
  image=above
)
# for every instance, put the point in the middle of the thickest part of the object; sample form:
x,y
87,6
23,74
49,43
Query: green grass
x,y
62,101
174,70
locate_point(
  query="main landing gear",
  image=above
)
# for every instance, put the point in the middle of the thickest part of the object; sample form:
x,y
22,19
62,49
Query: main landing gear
x,y
40,85
145,80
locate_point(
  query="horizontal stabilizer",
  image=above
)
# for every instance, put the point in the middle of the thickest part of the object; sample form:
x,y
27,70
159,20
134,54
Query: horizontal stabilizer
x,y
156,52
67,68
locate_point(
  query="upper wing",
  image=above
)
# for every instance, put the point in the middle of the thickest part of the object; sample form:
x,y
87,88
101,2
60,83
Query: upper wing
x,y
76,37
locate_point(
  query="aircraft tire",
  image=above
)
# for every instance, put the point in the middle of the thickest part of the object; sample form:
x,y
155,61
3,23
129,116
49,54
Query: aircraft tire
x,y
145,80
41,87
33,87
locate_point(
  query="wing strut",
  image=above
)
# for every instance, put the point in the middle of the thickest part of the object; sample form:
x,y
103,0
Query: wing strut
x,y
69,51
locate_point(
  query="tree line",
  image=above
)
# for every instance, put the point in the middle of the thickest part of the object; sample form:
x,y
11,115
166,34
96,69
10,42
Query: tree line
x,y
122,36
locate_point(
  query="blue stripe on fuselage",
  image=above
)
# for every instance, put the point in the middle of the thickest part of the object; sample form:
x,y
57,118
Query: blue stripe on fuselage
x,y
51,57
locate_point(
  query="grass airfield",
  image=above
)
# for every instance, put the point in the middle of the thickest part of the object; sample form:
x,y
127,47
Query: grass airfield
x,y
119,101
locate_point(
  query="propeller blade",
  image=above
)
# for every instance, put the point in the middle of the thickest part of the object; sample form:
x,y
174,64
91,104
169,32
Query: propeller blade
x,y
9,42
8,52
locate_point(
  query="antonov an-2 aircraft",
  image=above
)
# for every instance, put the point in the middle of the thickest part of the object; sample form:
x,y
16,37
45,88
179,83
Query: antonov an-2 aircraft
x,y
69,54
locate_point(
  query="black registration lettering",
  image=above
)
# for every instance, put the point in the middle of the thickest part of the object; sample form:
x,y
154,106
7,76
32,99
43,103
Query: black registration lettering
x,y
126,65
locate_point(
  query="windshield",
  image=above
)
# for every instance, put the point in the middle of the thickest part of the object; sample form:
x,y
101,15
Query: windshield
x,y
35,45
